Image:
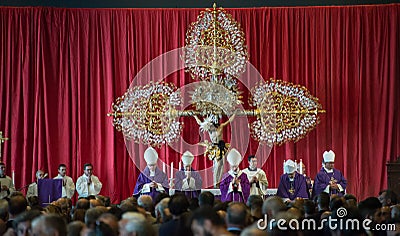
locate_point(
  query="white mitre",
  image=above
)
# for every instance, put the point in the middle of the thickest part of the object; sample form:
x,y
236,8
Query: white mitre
x,y
329,156
150,156
234,158
187,158
289,167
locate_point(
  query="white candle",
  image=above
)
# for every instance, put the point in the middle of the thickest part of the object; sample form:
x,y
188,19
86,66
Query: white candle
x,y
163,167
13,178
172,168
180,165
301,166
284,166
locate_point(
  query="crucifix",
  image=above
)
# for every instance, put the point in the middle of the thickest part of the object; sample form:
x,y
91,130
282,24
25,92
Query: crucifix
x,y
47,203
2,140
291,190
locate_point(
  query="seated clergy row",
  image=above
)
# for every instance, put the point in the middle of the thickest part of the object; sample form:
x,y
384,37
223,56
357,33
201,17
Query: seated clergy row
x,y
293,185
236,184
86,185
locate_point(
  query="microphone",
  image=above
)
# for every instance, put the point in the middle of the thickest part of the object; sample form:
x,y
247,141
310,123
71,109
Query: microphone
x,y
45,175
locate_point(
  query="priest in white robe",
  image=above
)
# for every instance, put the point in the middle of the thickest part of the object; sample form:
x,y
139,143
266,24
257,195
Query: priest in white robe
x,y
257,178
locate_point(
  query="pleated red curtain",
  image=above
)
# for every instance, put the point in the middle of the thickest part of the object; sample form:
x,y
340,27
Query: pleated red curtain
x,y
62,68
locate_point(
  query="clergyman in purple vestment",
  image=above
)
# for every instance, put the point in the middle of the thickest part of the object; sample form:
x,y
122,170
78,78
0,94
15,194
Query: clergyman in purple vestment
x,y
187,180
328,179
151,185
235,184
152,181
292,185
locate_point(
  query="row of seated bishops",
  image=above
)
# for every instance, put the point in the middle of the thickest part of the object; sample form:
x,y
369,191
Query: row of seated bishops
x,y
205,215
237,185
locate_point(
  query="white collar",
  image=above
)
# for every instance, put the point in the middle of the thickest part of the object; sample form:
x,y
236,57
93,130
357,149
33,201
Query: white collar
x,y
235,174
328,171
253,169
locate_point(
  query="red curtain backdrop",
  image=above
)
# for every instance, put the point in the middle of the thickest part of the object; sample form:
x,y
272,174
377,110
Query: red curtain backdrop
x,y
61,69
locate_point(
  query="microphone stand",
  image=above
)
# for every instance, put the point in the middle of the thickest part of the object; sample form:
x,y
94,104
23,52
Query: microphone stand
x,y
23,187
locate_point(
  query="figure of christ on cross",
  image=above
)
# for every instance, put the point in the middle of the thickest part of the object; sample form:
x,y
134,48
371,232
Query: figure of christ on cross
x,y
217,148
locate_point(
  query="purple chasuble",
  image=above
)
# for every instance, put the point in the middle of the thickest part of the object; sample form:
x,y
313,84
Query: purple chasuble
x,y
235,196
322,181
189,193
292,189
145,178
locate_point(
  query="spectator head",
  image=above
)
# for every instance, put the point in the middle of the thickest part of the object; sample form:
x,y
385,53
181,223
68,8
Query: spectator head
x,y
323,200
395,213
387,197
95,203
4,210
22,223
111,220
309,207
370,208
91,216
206,198
162,212
17,205
178,204
78,215
255,201
237,215
272,206
205,221
134,223
49,225
351,200
146,202
75,227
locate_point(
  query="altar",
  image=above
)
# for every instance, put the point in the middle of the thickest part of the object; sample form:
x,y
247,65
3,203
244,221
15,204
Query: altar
x,y
217,192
